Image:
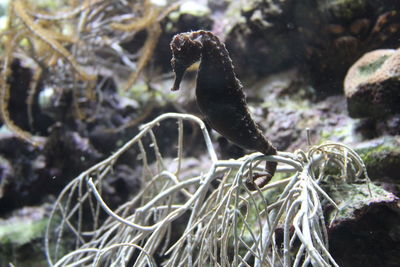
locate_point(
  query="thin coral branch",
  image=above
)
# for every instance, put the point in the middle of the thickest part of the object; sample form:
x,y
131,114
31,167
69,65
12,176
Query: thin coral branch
x,y
226,226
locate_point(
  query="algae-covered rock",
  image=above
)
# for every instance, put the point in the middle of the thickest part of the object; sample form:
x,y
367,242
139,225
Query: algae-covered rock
x,y
354,200
382,158
21,238
365,231
372,84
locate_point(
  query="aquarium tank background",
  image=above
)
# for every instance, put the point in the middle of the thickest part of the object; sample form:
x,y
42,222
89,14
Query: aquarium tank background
x,y
280,148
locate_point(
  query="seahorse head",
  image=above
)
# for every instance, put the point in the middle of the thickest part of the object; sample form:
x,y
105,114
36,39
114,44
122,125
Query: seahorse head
x,y
185,52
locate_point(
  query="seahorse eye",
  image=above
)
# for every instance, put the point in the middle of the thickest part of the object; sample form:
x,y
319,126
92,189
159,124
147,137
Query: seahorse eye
x,y
176,44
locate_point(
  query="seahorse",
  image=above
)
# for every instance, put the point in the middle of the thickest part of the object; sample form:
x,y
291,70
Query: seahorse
x,y
219,95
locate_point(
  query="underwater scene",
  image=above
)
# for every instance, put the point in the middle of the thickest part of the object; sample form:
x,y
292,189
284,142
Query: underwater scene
x,y
200,133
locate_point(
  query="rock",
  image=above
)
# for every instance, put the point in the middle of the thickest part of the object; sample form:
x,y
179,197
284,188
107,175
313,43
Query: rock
x,y
336,33
68,153
323,37
371,127
21,237
366,225
382,158
372,84
260,36
20,184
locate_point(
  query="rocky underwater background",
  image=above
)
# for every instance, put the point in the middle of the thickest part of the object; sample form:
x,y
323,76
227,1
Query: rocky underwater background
x,y
78,79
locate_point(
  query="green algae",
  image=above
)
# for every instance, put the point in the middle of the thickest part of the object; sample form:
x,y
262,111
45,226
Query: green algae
x,y
382,157
21,232
370,68
354,199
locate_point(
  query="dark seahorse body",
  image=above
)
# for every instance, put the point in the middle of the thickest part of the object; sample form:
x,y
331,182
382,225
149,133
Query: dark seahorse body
x,y
219,94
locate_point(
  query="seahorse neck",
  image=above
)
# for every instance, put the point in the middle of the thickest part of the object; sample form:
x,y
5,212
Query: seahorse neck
x,y
216,70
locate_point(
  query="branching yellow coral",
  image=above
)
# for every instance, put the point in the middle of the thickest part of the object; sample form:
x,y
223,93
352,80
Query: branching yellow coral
x,y
47,37
149,17
148,49
66,47
150,22
5,92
